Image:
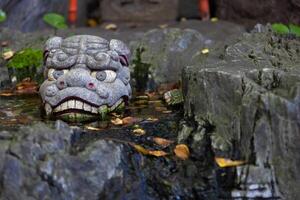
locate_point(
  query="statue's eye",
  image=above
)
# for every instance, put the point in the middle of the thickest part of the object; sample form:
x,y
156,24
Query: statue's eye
x,y
107,76
55,74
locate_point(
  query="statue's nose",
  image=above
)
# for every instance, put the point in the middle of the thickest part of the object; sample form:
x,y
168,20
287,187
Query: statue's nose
x,y
81,78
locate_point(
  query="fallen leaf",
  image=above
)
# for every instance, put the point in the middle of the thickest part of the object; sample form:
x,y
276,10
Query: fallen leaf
x,y
162,142
4,43
163,26
214,19
160,109
205,51
151,119
167,111
144,151
112,27
7,55
130,120
224,162
158,153
182,151
91,128
182,19
6,94
92,22
140,149
139,131
117,121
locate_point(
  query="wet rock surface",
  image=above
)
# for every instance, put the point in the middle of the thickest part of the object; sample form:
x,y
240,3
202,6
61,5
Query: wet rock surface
x,y
243,99
40,162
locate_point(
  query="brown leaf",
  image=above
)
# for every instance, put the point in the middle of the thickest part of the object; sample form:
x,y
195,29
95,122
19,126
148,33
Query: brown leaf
x,y
130,120
144,151
224,162
182,151
162,142
157,153
117,121
6,93
139,132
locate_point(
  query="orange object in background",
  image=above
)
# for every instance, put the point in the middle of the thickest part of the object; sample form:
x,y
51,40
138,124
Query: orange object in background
x,y
203,6
73,11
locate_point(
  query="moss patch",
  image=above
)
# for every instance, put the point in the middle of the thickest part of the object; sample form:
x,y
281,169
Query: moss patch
x,y
26,58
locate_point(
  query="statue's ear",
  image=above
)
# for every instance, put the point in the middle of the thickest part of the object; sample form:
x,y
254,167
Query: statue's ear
x,y
120,47
53,43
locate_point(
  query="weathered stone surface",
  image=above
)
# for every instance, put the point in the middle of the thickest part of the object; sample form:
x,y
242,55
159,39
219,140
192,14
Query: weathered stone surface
x,y
139,10
246,97
37,164
245,11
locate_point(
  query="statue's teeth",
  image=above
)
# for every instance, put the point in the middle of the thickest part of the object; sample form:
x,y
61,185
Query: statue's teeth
x,y
94,110
48,109
87,107
79,105
71,104
64,106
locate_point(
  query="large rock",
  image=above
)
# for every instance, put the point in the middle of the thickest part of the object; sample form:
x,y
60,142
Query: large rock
x,y
243,99
37,163
245,11
139,10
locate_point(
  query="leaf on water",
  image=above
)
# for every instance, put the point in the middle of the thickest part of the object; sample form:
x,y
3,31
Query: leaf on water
x,y
6,94
182,151
92,22
167,111
160,109
112,27
214,19
130,120
26,86
295,29
162,142
158,153
139,131
8,55
117,121
280,28
224,162
163,26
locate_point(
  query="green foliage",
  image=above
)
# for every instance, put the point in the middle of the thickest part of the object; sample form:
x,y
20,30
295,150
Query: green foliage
x,y
280,28
27,58
55,20
284,29
295,29
2,16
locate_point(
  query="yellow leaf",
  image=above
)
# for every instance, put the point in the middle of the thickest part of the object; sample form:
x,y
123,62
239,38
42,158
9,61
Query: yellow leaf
x,y
163,26
205,51
182,151
130,120
140,149
111,27
214,19
7,55
224,162
117,121
162,142
139,131
152,119
92,128
157,153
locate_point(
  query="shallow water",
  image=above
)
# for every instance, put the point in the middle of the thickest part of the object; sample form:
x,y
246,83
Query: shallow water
x,y
16,111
